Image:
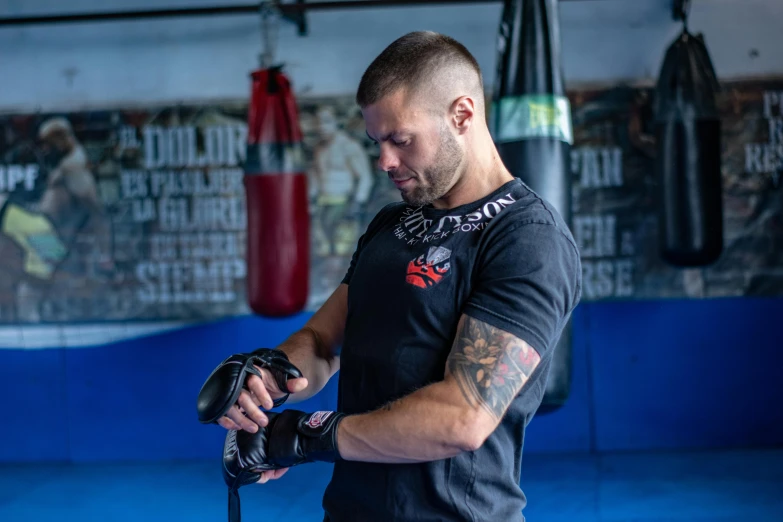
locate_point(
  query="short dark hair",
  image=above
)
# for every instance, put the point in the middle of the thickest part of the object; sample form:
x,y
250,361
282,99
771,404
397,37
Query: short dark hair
x,y
408,62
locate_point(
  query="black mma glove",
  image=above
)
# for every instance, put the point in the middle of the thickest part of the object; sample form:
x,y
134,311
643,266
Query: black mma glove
x,y
291,438
222,388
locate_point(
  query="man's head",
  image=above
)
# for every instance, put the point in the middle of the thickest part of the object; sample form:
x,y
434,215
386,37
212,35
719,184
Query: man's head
x,y
327,121
57,133
423,101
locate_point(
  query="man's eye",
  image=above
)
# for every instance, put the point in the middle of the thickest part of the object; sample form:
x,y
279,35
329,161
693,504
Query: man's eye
x,y
404,143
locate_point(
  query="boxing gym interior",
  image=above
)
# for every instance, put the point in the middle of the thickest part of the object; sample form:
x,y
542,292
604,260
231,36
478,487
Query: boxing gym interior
x,y
185,180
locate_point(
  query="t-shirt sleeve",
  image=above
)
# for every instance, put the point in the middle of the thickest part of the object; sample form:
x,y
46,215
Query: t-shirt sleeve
x,y
372,230
527,282
354,258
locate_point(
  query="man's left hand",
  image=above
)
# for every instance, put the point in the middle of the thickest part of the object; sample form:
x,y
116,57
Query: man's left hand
x,y
291,438
274,474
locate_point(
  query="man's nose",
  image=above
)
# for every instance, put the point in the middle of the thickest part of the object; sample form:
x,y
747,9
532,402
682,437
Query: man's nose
x,y
387,161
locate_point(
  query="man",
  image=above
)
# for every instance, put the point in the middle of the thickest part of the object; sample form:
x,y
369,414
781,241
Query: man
x,y
39,239
341,184
71,199
69,205
446,318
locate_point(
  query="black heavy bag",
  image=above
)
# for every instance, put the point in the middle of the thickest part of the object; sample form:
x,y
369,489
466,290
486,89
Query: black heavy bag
x,y
531,122
688,164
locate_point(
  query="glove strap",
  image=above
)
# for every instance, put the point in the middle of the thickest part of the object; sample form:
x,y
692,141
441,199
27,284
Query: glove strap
x,y
277,362
234,510
234,507
296,437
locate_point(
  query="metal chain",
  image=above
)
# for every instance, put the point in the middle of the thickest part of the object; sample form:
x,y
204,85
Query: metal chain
x,y
270,24
683,10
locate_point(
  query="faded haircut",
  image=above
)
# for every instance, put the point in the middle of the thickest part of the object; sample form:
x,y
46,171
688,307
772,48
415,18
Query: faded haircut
x,y
420,62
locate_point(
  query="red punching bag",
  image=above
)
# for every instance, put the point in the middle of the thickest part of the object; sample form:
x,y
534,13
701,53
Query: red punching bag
x,y
278,221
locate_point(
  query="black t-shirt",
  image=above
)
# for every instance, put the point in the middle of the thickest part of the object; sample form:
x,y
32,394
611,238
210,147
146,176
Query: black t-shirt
x,y
508,260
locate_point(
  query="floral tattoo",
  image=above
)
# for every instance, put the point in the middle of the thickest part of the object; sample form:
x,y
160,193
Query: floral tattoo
x,y
490,365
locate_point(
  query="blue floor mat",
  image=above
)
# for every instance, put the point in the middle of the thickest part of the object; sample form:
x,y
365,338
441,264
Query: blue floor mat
x,y
730,486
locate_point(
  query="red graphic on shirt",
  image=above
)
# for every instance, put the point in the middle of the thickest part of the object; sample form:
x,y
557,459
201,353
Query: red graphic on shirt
x,y
428,270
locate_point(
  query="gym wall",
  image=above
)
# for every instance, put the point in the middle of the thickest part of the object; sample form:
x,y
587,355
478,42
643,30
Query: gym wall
x,y
647,373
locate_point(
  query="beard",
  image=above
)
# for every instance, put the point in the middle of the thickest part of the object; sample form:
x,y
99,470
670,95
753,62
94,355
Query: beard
x,y
437,178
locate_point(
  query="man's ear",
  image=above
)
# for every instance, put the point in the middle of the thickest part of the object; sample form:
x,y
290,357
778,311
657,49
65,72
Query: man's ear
x,y
463,110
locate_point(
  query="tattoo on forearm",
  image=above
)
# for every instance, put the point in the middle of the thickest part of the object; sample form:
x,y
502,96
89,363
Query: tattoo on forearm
x,y
490,365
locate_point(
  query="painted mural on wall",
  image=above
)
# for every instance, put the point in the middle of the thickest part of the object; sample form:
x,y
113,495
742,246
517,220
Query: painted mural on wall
x,y
123,215
129,214
614,194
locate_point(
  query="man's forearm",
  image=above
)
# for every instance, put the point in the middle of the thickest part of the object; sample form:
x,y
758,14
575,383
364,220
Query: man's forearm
x,y
430,424
315,360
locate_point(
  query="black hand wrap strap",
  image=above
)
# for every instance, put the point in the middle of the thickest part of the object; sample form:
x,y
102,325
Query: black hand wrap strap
x,y
243,478
234,507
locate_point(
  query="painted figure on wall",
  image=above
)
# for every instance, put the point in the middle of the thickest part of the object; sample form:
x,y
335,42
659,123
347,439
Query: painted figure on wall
x,y
340,186
38,236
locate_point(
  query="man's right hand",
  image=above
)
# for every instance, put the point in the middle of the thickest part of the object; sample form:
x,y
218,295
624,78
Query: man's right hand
x,y
246,414
317,341
243,383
